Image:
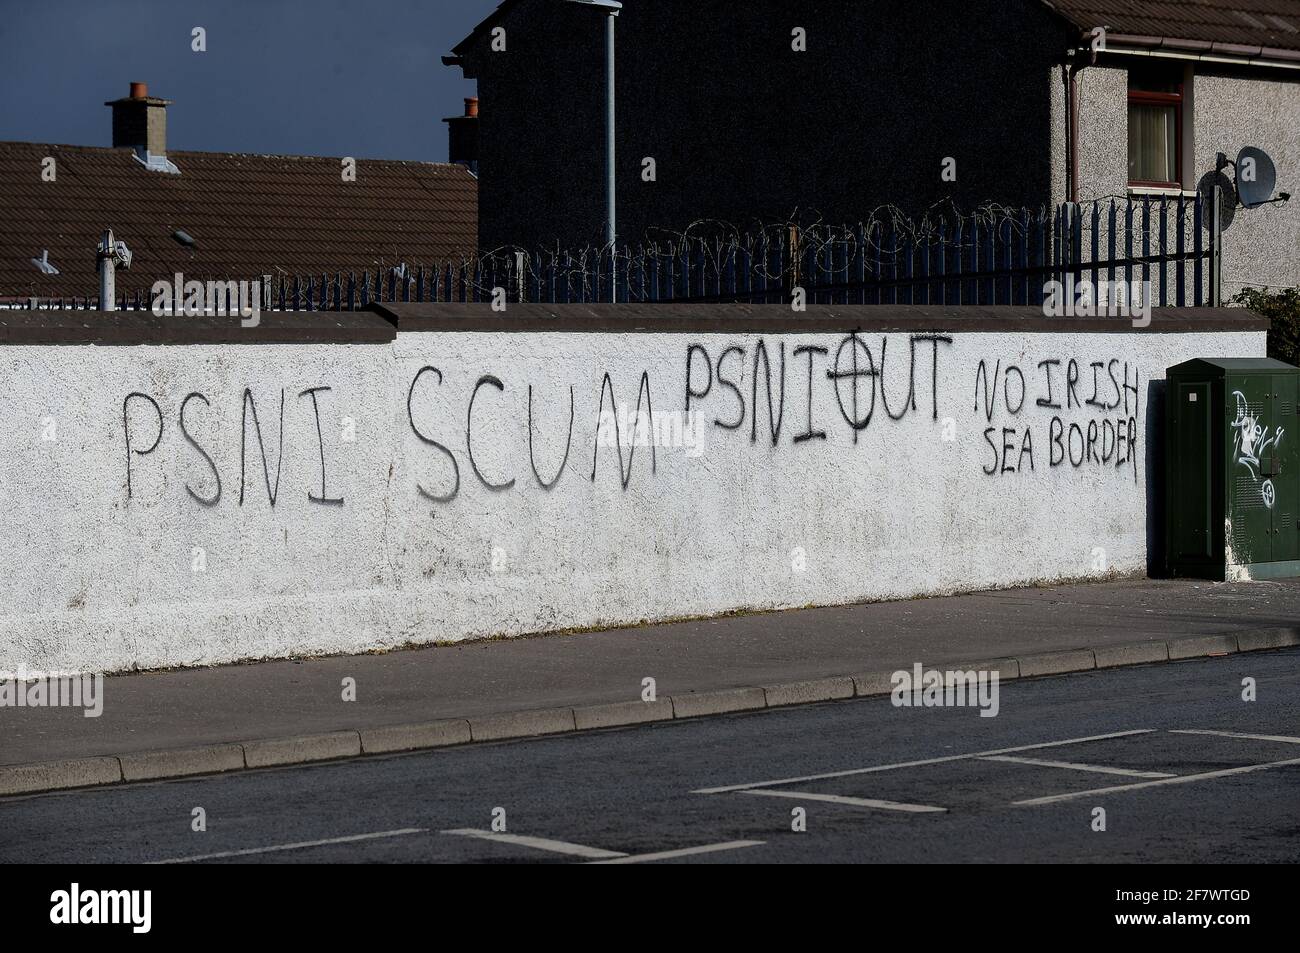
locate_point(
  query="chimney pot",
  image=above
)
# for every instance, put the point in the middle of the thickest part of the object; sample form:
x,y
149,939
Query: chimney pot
x,y
462,136
140,122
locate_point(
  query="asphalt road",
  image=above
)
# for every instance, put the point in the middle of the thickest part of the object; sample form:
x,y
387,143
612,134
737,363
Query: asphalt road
x,y
634,793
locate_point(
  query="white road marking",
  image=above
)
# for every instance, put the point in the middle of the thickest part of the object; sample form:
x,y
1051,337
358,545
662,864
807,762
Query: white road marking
x,y
913,764
683,852
1181,779
855,801
298,846
1071,766
1237,734
540,843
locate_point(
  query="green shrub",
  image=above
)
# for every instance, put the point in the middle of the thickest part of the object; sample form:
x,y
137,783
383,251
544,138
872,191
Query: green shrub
x,y
1282,308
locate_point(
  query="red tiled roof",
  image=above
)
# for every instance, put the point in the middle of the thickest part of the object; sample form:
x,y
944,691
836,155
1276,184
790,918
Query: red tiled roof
x,y
1266,24
248,215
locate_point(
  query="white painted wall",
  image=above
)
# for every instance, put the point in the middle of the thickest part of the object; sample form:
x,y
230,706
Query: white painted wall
x,y
96,581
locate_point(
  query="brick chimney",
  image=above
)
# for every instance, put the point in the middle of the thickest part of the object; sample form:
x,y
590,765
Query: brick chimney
x,y
462,136
140,123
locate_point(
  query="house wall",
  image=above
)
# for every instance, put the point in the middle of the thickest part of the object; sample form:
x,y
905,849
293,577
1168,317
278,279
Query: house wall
x,y
438,524
1228,110
1262,246
744,130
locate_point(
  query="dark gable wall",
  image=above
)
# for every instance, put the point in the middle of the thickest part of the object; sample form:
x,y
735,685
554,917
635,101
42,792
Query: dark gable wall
x,y
746,130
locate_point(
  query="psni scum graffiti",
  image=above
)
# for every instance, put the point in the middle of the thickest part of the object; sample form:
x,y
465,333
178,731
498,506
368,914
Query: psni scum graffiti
x,y
1082,414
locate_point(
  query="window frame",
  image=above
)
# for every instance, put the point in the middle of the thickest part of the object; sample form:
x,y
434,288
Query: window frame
x,y
1144,97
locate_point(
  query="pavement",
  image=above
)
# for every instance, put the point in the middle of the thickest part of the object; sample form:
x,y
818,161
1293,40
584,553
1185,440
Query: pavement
x,y
240,717
1183,767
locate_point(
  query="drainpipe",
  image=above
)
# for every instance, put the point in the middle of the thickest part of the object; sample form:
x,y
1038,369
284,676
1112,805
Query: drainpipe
x,y
1070,72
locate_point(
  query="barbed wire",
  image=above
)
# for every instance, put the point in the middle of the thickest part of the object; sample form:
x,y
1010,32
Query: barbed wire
x,y
762,256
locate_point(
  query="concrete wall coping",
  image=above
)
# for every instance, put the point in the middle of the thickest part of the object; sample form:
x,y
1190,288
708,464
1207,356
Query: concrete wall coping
x,y
120,328
379,323
778,318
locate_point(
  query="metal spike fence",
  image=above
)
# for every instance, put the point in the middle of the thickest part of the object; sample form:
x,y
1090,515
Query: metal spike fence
x,y
994,256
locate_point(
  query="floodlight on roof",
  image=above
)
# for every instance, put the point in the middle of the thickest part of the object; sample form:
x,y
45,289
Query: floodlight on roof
x,y
43,263
610,5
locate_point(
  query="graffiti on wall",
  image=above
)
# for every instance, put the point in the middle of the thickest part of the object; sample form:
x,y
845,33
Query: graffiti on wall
x,y
1035,417
1252,440
143,427
1085,414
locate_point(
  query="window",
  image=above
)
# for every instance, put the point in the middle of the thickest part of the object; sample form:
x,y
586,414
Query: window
x,y
1155,129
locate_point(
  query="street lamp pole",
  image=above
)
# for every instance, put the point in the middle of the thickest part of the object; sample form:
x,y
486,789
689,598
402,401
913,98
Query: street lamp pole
x,y
611,230
611,9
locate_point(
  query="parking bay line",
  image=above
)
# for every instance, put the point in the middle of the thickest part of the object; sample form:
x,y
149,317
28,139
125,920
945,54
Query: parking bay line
x,y
539,843
925,761
1071,766
1235,734
298,846
682,852
854,801
1180,779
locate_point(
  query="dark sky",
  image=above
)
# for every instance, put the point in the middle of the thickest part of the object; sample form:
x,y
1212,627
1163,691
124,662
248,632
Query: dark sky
x,y
359,78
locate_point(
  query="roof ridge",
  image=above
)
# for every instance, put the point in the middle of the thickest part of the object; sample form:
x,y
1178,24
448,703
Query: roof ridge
x,y
126,150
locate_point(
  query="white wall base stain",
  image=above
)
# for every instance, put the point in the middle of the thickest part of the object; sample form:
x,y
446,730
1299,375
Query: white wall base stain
x,y
98,581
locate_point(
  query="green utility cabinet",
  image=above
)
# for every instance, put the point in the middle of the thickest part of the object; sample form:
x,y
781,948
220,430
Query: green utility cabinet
x,y
1232,469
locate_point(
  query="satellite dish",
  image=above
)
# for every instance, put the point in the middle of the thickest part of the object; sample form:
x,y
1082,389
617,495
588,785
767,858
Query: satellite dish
x,y
1227,198
1256,177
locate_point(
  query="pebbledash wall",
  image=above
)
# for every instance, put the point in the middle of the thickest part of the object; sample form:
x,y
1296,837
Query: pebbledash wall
x,y
440,475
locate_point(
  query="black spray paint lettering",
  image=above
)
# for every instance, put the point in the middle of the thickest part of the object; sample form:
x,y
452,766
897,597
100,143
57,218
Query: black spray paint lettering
x,y
642,392
1002,464
126,428
1006,389
691,351
773,423
248,407
216,497
853,373
1133,389
1046,366
726,382
1094,441
491,381
934,340
991,389
810,434
1118,440
1093,401
910,399
455,467
854,362
249,403
568,443
320,440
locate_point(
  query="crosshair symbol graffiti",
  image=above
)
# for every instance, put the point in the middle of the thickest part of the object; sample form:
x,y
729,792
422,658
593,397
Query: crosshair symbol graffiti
x,y
1268,493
